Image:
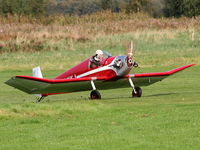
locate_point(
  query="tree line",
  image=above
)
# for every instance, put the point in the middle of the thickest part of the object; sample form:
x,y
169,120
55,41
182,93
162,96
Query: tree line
x,y
155,8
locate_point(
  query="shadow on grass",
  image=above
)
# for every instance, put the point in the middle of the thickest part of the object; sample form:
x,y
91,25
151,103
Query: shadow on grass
x,y
161,94
172,93
122,98
119,98
146,96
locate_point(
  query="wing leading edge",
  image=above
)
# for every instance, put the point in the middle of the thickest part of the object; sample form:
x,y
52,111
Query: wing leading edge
x,y
34,85
145,79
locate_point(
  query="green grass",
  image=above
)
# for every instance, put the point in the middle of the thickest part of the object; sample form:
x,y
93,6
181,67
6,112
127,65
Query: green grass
x,y
165,117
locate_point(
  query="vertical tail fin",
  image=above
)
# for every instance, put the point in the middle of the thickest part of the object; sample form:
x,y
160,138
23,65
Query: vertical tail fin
x,y
37,73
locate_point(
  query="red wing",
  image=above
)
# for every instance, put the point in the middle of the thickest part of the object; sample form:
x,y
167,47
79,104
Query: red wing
x,y
34,85
145,79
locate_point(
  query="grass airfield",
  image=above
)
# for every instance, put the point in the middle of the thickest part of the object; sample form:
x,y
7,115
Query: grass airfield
x,y
165,117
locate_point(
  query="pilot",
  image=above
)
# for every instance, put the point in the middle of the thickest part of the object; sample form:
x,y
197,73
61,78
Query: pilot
x,y
95,61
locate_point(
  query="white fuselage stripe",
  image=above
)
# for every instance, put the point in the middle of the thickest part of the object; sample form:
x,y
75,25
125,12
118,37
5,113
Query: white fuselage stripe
x,y
108,67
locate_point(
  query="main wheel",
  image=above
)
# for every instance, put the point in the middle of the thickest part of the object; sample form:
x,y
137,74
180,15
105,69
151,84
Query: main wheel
x,y
138,92
95,95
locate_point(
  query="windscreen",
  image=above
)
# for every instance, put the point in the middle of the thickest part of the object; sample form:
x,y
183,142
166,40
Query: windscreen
x,y
107,54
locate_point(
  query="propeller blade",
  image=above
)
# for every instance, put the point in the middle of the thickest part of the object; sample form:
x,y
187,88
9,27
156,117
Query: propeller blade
x,y
130,50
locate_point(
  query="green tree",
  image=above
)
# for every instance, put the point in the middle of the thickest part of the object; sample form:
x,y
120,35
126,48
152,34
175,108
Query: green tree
x,y
106,4
135,6
177,8
23,7
190,8
38,7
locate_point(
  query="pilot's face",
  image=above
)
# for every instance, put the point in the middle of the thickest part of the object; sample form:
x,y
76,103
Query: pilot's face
x,y
100,56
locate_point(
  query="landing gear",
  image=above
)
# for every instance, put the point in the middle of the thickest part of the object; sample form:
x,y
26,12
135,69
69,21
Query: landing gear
x,y
40,99
137,92
95,95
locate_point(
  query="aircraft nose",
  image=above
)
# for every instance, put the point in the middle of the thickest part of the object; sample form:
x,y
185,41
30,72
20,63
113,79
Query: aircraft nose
x,y
129,61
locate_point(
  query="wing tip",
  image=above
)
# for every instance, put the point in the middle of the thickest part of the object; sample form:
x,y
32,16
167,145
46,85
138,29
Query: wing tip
x,y
167,73
180,69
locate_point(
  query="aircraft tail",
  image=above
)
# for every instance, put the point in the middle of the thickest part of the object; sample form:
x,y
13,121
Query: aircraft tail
x,y
37,73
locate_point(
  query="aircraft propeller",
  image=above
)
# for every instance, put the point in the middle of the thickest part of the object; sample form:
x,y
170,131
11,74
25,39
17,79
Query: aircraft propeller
x,y
130,61
129,58
130,54
130,50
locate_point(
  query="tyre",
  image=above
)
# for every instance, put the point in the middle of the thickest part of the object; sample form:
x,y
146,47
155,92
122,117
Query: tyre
x,y
95,95
138,92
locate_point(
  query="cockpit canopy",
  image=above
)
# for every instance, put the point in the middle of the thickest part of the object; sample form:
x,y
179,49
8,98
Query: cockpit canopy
x,y
106,54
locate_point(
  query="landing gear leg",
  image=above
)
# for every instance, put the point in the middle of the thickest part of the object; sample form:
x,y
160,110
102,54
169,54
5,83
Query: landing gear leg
x,y
40,99
137,91
94,94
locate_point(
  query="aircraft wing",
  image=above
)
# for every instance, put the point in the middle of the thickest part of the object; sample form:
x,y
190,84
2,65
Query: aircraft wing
x,y
145,79
34,85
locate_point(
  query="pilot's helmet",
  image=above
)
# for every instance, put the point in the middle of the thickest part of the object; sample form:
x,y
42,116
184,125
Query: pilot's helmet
x,y
99,55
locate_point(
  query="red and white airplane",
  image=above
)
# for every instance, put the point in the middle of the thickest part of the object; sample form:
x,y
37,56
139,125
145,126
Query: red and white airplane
x,y
101,72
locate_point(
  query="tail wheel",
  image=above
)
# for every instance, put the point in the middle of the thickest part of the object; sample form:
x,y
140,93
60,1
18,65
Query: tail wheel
x,y
95,95
137,92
